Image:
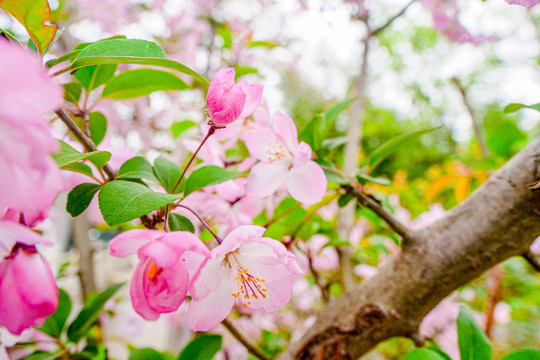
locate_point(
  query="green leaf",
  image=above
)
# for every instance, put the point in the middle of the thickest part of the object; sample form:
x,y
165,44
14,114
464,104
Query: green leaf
x,y
168,173
128,51
121,201
240,71
80,168
313,133
179,127
144,354
68,155
526,354
337,243
424,354
225,34
93,76
98,127
89,314
332,114
55,323
142,82
393,145
473,343
72,92
511,108
80,197
203,347
178,222
206,176
344,199
262,43
100,158
335,178
40,355
33,14
364,178
335,142
137,168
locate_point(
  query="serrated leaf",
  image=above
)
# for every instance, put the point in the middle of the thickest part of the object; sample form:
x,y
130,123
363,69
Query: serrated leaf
x,y
93,76
179,127
54,324
80,197
178,222
68,155
89,314
511,108
168,173
142,82
393,145
424,354
203,347
128,51
145,354
98,126
137,168
121,201
80,168
206,176
473,342
525,354
72,92
33,15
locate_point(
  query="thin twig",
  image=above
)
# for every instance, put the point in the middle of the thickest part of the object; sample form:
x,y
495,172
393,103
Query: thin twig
x,y
83,139
390,21
324,292
378,209
532,260
218,239
282,215
242,339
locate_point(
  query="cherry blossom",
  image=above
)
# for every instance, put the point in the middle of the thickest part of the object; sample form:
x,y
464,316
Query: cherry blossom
x,y
28,292
161,279
528,3
283,160
227,101
246,270
30,178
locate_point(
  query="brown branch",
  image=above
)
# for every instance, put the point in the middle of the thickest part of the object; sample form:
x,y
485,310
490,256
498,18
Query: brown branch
x,y
377,208
391,20
83,139
243,340
532,260
498,221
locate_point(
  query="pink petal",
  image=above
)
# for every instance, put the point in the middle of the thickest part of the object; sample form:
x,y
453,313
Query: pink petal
x,y
167,291
127,243
265,179
307,184
136,291
207,279
206,313
528,3
253,97
265,145
12,233
285,127
303,155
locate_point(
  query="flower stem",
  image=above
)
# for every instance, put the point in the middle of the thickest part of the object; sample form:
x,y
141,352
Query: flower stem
x,y
205,224
250,347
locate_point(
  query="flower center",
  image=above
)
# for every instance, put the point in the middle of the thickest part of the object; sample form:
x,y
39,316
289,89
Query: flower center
x,y
154,272
275,151
251,287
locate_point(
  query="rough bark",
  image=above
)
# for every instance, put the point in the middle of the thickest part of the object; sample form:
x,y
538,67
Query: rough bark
x,y
499,220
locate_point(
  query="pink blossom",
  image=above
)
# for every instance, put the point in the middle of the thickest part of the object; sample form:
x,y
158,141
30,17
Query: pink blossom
x,y
28,292
528,3
161,278
283,161
248,270
227,101
30,178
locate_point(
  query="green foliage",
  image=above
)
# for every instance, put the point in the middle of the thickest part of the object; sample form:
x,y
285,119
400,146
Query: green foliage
x,y
473,343
79,167
68,155
503,137
144,354
40,355
511,108
203,347
137,168
142,82
89,314
271,343
178,128
80,197
98,126
54,324
206,176
72,92
424,354
91,77
168,174
121,201
178,222
527,354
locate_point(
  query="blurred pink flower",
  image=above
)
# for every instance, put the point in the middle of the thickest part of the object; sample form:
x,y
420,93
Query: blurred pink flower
x,y
247,270
227,101
30,178
161,279
283,160
528,3
28,292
